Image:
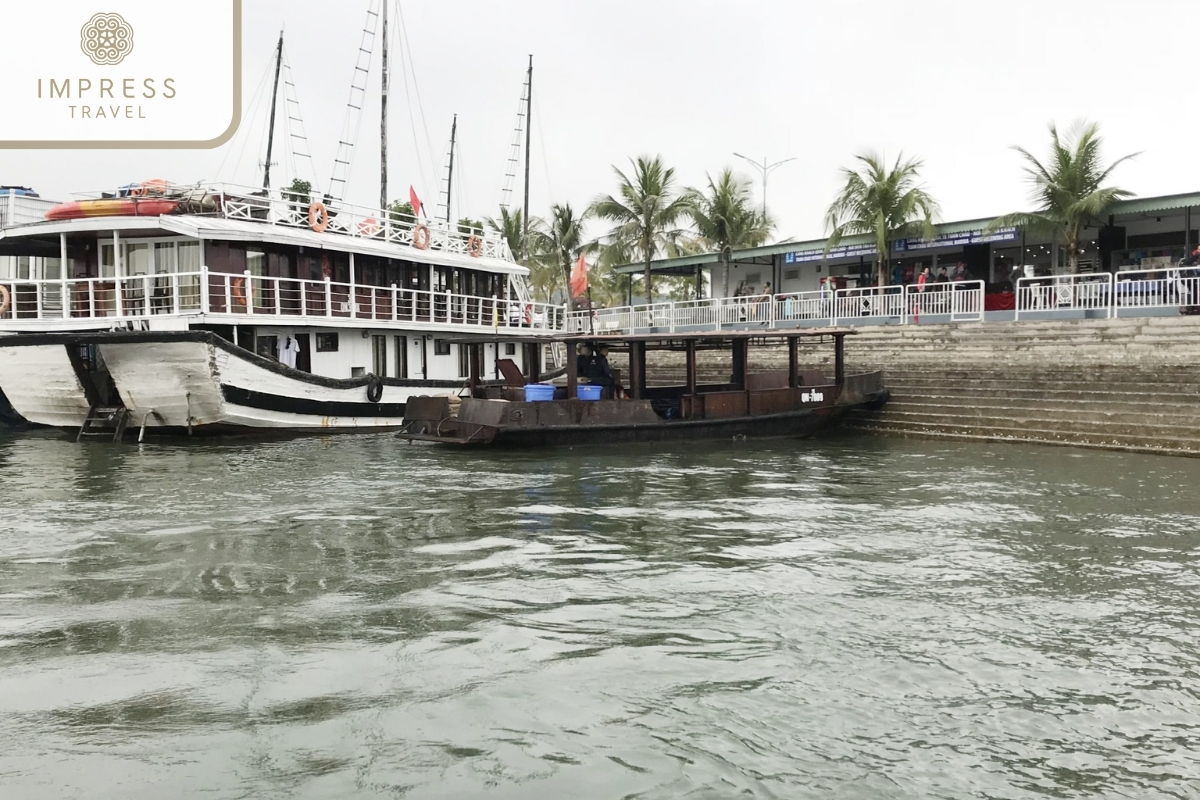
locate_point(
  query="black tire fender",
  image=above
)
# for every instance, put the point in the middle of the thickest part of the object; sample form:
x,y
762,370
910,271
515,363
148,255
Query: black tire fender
x,y
374,388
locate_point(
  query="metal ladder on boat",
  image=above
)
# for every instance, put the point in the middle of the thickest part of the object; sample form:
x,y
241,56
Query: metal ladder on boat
x,y
104,422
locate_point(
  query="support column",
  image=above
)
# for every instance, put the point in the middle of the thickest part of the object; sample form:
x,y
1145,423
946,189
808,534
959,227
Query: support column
x,y
572,374
839,359
741,353
793,362
62,275
353,291
691,367
474,359
637,369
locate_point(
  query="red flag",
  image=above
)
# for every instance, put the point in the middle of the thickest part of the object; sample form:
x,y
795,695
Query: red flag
x,y
414,201
579,283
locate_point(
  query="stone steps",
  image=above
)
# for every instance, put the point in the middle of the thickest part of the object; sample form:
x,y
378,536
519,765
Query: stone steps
x,y
1071,418
1035,431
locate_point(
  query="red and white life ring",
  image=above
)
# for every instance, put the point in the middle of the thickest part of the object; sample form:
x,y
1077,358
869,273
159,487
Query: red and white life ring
x,y
238,290
474,246
421,237
318,217
5,300
529,313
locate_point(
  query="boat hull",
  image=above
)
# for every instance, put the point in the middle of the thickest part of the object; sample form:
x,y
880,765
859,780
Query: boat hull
x,y
194,382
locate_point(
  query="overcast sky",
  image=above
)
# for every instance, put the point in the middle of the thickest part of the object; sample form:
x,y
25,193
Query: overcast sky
x,y
955,83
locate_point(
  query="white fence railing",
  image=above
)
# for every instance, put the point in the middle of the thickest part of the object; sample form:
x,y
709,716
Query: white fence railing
x,y
22,209
961,301
246,295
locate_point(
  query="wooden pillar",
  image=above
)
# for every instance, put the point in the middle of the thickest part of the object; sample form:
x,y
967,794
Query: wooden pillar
x,y
741,352
475,362
572,373
793,362
533,361
637,369
691,367
839,359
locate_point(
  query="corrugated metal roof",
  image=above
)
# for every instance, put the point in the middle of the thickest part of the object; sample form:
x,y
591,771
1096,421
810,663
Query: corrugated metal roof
x,y
1137,205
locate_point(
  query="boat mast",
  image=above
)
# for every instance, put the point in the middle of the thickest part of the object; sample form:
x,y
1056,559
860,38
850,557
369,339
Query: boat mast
x,y
271,124
528,137
383,117
450,171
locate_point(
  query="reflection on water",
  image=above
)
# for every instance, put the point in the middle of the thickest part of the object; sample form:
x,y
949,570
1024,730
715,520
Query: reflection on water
x,y
855,618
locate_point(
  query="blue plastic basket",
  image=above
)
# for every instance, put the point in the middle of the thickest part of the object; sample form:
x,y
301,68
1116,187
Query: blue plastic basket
x,y
538,392
585,392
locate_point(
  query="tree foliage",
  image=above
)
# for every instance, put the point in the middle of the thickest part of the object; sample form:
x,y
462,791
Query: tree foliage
x,y
1068,188
884,204
645,212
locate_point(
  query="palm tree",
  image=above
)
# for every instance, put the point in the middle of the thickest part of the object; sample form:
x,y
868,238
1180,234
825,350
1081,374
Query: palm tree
x,y
510,226
647,213
883,204
1068,189
562,237
726,218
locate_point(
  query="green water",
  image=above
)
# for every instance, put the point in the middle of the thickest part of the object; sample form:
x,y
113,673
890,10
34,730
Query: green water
x,y
853,618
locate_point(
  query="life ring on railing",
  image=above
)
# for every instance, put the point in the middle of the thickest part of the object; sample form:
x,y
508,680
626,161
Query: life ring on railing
x,y
318,217
238,289
5,300
421,237
474,246
368,227
529,313
374,388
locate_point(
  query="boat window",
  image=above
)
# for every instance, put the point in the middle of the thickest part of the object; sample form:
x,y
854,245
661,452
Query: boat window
x,y
464,360
188,256
268,346
510,348
327,342
164,258
401,356
108,261
256,261
441,347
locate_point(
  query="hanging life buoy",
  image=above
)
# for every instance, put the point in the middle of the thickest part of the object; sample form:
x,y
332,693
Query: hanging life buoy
x,y
318,217
421,237
5,300
474,246
529,313
374,388
239,291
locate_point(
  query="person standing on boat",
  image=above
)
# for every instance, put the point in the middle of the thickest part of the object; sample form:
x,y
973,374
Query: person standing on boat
x,y
583,360
600,373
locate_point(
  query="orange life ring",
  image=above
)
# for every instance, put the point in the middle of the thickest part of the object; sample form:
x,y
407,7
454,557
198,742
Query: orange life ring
x,y
474,246
368,227
5,300
421,237
529,313
239,294
318,217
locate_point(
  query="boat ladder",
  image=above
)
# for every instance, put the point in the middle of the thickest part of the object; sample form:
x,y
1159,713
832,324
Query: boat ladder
x,y
104,422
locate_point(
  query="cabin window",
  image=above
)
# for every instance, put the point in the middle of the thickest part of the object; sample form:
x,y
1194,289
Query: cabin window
x,y
510,348
401,356
441,347
268,346
753,279
464,360
327,342
792,275
358,372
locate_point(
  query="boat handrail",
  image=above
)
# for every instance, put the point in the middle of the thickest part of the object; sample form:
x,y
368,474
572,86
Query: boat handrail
x,y
244,295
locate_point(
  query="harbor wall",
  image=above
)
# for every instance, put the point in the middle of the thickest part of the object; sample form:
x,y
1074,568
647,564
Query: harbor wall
x,y
1126,384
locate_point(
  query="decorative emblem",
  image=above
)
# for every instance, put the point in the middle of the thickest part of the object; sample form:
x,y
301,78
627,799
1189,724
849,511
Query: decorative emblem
x,y
106,39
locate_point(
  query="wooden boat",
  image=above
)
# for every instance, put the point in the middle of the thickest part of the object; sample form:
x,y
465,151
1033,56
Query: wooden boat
x,y
796,402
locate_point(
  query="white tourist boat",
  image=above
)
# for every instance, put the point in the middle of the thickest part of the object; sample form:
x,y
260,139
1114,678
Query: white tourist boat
x,y
221,308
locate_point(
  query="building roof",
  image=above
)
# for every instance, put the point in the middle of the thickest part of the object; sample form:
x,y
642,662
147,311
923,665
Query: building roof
x,y
685,265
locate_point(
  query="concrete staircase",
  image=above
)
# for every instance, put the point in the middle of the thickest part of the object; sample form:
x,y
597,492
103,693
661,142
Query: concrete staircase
x,y
1129,384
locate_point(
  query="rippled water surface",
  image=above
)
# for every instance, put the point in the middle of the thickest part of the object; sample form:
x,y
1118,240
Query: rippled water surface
x,y
853,618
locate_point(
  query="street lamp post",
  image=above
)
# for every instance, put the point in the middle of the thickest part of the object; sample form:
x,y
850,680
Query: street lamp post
x,y
766,169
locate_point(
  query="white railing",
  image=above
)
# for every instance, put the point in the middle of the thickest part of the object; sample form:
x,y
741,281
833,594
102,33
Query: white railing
x,y
248,296
1091,292
1155,289
280,207
961,301
22,209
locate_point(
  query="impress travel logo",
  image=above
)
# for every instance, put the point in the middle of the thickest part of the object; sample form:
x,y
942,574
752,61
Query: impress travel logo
x,y
128,74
